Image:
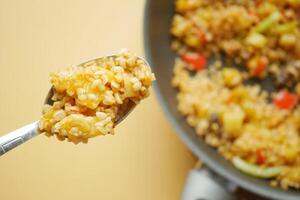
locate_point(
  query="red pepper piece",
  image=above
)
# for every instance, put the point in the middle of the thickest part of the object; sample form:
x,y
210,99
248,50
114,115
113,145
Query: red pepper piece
x,y
285,100
198,61
260,157
261,65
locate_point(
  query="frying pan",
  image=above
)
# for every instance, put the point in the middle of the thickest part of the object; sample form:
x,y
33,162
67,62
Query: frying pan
x,y
157,21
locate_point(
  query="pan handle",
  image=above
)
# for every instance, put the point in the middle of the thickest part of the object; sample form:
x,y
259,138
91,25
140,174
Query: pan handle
x,y
201,185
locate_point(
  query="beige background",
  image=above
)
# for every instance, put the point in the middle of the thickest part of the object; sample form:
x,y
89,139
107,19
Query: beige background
x,y
144,160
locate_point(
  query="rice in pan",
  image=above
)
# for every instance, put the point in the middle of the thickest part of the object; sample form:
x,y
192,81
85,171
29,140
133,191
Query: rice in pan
x,y
258,131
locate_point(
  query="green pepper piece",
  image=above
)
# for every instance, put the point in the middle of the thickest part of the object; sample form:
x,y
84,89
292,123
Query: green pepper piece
x,y
255,170
268,22
286,28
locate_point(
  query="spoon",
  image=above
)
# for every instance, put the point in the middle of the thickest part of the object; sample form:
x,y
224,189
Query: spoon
x,y
21,135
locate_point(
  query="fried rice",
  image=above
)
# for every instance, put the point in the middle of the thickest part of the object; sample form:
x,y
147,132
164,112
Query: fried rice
x,y
258,131
261,35
88,99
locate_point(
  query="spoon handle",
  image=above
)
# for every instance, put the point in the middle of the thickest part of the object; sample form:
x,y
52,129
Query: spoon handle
x,y
17,137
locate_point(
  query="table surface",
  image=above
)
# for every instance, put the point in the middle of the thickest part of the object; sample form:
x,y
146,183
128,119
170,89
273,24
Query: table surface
x,y
143,160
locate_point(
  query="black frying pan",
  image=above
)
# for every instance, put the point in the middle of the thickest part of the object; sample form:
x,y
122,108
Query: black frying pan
x,y
158,16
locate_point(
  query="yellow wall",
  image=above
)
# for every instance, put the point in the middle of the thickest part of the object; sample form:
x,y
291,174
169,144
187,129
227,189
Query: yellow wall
x,y
144,160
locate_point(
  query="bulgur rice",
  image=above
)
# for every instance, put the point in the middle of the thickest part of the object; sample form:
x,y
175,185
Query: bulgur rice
x,y
88,98
240,122
258,131
261,35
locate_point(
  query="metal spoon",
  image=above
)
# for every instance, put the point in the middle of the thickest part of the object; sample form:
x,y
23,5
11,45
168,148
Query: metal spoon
x,y
21,135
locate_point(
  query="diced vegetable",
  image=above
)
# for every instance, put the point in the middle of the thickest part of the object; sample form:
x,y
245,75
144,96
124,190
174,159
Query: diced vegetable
x,y
182,5
268,22
198,61
192,41
288,40
265,8
286,28
256,40
201,37
257,171
195,40
285,100
240,93
257,65
231,76
249,109
233,121
260,157
291,153
185,5
261,64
